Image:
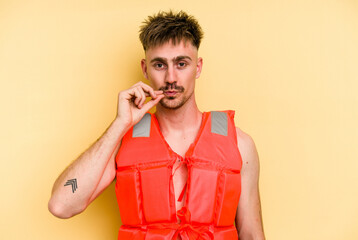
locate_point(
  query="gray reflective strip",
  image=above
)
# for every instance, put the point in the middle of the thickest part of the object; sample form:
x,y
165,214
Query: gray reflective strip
x,y
142,128
219,123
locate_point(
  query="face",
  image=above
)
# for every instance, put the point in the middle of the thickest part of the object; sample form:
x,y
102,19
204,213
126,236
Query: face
x,y
173,69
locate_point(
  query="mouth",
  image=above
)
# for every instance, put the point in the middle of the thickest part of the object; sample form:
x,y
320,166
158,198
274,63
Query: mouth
x,y
170,93
171,90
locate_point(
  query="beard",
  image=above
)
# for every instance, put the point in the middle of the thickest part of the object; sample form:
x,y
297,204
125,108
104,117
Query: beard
x,y
174,102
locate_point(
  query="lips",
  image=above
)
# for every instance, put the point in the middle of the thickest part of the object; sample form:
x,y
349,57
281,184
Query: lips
x,y
170,93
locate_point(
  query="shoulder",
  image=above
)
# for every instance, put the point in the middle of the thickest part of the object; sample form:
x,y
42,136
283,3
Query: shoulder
x,y
247,149
244,141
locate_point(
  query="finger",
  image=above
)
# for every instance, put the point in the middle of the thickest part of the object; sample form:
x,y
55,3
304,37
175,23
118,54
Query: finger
x,y
146,107
136,96
143,97
148,89
137,83
158,92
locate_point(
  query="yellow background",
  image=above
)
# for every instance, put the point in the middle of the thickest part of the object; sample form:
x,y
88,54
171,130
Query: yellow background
x,y
288,68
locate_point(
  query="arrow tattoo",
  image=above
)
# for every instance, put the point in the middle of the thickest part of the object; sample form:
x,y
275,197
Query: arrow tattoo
x,y
73,183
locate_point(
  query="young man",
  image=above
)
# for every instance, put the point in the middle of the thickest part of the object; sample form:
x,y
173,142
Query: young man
x,y
181,173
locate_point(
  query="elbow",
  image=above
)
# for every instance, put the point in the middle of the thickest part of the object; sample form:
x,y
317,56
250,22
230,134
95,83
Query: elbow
x,y
57,210
252,236
61,211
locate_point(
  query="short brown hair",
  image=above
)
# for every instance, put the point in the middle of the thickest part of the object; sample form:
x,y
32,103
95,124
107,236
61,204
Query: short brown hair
x,y
165,26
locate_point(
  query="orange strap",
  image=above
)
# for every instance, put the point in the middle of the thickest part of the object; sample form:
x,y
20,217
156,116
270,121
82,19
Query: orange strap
x,y
185,229
182,161
182,193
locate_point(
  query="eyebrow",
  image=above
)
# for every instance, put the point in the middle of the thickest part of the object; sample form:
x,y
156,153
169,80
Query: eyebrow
x,y
164,60
178,58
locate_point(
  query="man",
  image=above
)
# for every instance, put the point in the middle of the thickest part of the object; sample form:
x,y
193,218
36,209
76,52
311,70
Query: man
x,y
180,172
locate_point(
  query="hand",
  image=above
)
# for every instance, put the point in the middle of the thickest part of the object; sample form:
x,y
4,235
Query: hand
x,y
131,106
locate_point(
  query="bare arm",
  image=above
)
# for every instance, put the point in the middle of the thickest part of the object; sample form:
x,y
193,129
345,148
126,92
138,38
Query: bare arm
x,y
85,172
82,181
248,217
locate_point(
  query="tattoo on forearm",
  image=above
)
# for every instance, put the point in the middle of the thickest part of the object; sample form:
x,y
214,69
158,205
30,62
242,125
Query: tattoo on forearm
x,y
73,183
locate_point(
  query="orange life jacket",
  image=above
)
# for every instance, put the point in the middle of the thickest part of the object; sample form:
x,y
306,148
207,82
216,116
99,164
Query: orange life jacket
x,y
145,190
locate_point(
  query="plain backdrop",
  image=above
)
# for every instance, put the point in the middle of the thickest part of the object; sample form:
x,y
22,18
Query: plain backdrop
x,y
288,68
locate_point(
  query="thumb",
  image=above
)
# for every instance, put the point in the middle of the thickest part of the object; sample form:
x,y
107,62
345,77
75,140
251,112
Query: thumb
x,y
146,107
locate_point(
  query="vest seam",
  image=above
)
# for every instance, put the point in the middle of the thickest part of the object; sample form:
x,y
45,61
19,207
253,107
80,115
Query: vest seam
x,y
219,195
140,196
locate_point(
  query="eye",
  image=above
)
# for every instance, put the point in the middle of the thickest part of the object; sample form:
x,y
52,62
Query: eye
x,y
159,66
182,64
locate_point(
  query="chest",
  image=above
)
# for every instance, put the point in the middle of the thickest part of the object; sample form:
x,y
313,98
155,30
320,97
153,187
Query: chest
x,y
180,145
150,177
180,142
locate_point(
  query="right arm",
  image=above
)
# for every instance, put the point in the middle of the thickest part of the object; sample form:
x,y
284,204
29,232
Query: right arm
x,y
94,169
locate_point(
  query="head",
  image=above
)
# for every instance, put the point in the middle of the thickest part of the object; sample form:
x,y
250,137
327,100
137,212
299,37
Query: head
x,y
171,42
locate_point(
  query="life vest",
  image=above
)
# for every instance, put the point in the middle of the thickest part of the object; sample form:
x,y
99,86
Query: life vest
x,y
145,189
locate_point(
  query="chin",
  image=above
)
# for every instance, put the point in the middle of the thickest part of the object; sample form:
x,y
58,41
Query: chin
x,y
172,103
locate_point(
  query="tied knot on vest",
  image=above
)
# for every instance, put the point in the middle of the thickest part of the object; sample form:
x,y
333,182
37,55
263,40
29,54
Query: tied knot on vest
x,y
188,231
181,161
185,229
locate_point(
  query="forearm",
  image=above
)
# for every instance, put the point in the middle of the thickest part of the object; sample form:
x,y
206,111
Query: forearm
x,y
87,171
250,234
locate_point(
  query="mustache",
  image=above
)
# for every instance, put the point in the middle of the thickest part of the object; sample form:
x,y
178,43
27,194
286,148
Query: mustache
x,y
172,86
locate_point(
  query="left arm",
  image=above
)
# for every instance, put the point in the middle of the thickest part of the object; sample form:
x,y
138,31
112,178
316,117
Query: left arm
x,y
248,216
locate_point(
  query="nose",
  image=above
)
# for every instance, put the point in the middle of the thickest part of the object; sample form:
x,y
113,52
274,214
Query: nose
x,y
170,76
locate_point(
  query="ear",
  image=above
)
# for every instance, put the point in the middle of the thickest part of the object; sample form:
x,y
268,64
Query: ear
x,y
143,64
199,66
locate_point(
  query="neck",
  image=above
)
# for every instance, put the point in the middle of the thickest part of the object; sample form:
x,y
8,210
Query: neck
x,y
186,118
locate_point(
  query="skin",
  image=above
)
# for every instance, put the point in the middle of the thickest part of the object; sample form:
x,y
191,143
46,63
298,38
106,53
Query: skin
x,y
178,116
172,71
248,215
